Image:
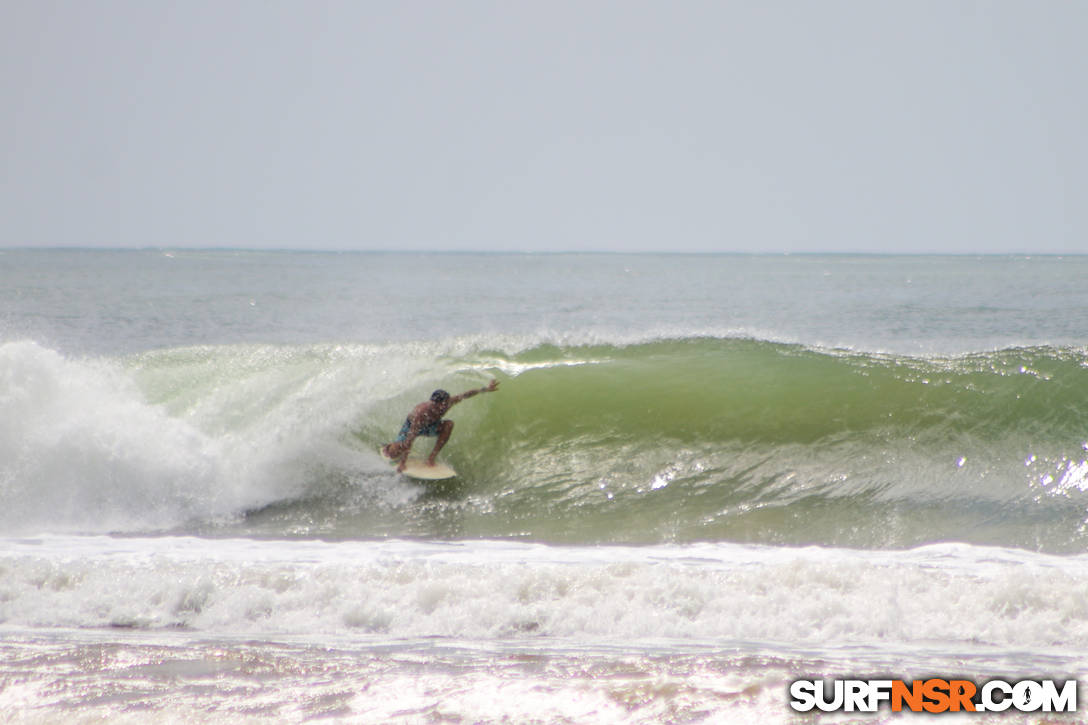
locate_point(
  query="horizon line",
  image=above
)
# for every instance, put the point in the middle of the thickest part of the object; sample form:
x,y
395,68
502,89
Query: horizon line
x,y
507,252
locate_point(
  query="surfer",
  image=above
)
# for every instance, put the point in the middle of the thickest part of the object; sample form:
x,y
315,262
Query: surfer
x,y
426,420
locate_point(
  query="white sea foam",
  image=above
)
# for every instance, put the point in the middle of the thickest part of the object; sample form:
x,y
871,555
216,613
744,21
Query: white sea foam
x,y
491,589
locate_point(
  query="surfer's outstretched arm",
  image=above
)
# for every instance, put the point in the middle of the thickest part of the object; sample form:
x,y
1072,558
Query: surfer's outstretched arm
x,y
491,387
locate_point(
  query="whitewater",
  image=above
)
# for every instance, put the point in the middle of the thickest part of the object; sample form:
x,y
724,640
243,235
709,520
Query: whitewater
x,y
702,477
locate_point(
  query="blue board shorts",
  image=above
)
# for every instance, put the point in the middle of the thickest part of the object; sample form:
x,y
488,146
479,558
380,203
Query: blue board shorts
x,y
429,430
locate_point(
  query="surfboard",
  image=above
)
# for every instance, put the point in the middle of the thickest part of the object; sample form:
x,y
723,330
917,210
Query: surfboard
x,y
419,468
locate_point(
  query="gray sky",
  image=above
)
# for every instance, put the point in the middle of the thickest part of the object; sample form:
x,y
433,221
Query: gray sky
x,y
906,126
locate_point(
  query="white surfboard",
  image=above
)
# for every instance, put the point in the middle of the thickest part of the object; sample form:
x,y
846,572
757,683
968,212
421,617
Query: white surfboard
x,y
419,468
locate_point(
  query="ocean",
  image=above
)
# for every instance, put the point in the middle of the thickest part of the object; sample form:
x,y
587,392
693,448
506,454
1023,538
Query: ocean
x,y
701,478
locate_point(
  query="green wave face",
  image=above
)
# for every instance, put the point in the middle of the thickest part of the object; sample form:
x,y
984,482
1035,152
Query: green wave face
x,y
763,442
664,441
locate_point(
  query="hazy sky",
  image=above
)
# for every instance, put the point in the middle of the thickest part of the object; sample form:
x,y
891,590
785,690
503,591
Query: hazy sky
x,y
812,125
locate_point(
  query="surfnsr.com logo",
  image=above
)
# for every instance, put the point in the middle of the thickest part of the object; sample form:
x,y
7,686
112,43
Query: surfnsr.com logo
x,y
934,695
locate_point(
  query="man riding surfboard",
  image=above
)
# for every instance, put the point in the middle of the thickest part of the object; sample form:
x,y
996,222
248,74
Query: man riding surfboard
x,y
426,420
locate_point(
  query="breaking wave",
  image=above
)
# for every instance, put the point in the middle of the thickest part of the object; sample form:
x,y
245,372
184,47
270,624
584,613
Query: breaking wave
x,y
674,440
